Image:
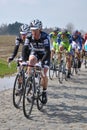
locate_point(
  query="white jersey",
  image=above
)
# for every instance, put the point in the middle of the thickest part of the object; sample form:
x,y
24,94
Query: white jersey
x,y
74,45
85,45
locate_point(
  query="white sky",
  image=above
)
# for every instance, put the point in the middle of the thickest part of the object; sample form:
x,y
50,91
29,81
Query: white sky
x,y
51,12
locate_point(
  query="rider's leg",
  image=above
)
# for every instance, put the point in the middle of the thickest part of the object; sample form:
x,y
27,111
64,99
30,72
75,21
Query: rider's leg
x,y
68,60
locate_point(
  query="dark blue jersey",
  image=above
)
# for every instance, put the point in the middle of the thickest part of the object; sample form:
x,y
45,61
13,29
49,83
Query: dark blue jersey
x,y
40,46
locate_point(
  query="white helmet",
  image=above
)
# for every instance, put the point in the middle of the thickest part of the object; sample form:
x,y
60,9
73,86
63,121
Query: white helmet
x,y
36,24
24,29
56,29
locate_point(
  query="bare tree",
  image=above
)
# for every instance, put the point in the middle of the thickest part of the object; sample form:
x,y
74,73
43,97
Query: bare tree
x,y
70,27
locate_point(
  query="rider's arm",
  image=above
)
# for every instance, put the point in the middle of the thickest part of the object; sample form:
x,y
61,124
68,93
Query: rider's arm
x,y
25,49
47,49
15,51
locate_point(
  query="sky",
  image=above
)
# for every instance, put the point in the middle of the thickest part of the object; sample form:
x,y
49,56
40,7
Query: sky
x,y
52,13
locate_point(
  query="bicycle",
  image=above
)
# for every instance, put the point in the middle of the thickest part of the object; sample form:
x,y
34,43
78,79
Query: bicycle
x,y
53,66
19,84
62,72
74,64
32,91
85,58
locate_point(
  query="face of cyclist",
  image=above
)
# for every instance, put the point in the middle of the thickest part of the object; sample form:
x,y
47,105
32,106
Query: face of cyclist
x,y
55,33
23,36
36,34
63,35
75,37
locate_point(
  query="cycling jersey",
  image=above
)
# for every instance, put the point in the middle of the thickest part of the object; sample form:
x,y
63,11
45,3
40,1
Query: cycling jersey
x,y
78,40
68,35
53,37
40,48
54,44
66,41
19,41
85,46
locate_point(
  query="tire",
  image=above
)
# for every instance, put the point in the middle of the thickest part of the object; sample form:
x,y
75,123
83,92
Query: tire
x,y
51,71
86,59
39,96
76,66
60,73
28,97
85,63
72,68
17,91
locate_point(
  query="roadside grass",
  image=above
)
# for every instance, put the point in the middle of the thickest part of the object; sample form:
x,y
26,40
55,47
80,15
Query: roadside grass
x,y
5,69
7,43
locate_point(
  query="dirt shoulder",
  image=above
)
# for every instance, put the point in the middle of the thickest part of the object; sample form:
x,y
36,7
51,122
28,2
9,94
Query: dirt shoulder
x,y
7,44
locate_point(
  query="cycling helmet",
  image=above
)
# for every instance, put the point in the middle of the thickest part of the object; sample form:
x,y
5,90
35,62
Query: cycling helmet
x,y
75,33
36,24
64,31
85,36
24,29
55,29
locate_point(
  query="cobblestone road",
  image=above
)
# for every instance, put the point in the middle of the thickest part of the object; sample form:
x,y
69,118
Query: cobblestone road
x,y
66,108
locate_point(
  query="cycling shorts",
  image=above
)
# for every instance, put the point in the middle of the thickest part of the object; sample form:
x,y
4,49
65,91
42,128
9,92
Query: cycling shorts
x,y
56,46
39,56
67,47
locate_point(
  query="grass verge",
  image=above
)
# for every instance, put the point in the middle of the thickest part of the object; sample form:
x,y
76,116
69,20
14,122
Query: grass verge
x,y
5,69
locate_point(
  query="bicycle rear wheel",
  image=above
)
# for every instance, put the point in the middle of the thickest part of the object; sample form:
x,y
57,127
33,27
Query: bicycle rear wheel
x,y
28,97
18,90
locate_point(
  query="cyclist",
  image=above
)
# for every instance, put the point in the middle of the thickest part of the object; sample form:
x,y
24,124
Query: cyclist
x,y
40,44
85,42
24,31
77,38
64,39
85,46
53,40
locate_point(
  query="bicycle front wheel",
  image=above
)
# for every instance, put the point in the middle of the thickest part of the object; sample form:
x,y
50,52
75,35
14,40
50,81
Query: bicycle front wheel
x,y
39,97
18,90
51,71
60,73
85,62
28,97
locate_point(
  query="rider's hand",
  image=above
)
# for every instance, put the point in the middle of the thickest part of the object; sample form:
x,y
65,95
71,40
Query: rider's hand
x,y
10,59
39,64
